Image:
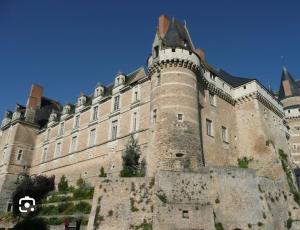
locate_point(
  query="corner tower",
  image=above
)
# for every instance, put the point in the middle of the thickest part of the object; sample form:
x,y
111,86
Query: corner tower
x,y
175,114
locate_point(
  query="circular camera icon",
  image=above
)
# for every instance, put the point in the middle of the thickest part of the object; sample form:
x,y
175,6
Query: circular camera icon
x,y
26,204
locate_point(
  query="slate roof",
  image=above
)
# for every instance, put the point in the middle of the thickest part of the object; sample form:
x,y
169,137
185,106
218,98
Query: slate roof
x,y
177,36
233,80
291,88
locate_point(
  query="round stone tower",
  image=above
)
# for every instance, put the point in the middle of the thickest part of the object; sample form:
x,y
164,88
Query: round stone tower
x,y
175,115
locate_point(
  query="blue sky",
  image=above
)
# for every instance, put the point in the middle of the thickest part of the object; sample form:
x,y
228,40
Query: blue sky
x,y
69,46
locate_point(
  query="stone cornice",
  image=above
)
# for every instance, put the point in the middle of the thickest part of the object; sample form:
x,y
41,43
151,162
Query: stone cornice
x,y
175,62
262,99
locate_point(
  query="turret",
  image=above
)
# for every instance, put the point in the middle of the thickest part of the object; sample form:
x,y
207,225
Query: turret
x,y
175,117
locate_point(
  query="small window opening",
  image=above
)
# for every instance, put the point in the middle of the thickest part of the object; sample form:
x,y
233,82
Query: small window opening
x,y
9,207
173,49
180,117
185,214
245,87
156,51
179,154
158,80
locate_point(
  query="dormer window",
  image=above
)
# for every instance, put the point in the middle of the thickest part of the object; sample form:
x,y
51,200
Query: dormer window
x,y
81,100
99,91
66,109
120,79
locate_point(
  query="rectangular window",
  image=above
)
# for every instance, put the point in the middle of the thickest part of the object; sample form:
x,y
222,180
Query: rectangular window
x,y
58,150
134,121
95,113
156,51
47,136
92,140
77,122
61,129
224,134
209,128
73,144
116,103
185,214
158,80
154,116
45,154
114,129
179,117
20,155
212,99
135,97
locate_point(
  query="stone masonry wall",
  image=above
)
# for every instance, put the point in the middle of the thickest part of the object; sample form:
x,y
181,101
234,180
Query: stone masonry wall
x,y
236,198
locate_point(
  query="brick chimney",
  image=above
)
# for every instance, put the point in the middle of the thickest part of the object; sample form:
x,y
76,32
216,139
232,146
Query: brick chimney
x,y
33,102
163,25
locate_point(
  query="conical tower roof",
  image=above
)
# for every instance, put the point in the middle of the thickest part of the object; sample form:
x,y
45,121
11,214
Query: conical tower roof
x,y
288,86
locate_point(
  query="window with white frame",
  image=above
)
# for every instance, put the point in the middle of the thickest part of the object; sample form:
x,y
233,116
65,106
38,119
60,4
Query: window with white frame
x,y
179,117
92,138
45,154
114,129
134,121
47,136
224,134
77,121
58,149
116,103
73,146
212,99
19,155
135,94
209,127
95,113
61,129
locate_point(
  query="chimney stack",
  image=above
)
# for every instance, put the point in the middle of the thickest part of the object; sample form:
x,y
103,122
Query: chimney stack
x,y
163,25
33,102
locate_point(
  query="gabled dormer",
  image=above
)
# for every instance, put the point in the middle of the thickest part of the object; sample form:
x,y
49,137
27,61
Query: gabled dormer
x,y
53,118
82,99
99,90
120,79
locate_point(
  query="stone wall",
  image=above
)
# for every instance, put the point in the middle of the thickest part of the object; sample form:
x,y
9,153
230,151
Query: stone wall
x,y
232,197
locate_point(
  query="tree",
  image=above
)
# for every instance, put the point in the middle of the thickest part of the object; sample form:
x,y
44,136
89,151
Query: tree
x,y
81,183
63,184
131,160
35,187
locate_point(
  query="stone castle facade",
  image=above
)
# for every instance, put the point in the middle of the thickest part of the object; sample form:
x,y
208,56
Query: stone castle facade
x,y
189,118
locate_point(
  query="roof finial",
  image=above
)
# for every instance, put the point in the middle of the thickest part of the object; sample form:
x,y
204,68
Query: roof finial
x,y
282,62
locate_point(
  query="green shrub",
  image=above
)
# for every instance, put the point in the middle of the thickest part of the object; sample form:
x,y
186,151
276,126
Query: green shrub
x,y
162,197
81,182
83,207
244,162
132,167
289,223
102,173
54,199
66,208
49,210
219,226
288,172
83,194
63,184
55,221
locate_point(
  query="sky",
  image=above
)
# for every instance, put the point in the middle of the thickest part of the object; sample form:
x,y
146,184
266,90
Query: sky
x,y
67,46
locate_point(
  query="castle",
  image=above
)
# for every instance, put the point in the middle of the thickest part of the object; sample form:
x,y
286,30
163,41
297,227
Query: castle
x,y
192,122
